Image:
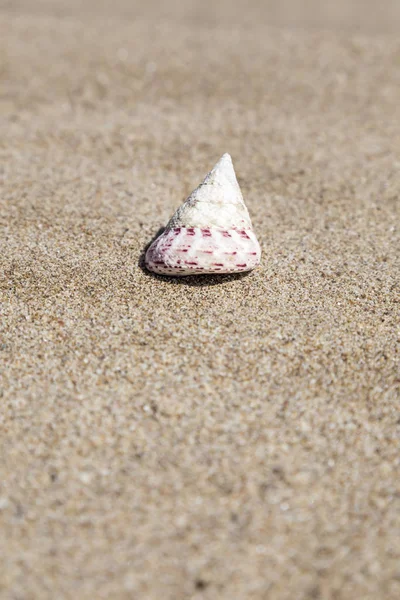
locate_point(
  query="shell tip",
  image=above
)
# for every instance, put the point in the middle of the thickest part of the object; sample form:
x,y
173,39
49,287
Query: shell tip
x,y
224,165
225,157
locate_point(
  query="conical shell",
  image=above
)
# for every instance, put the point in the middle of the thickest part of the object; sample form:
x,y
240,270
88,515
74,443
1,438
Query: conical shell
x,y
210,233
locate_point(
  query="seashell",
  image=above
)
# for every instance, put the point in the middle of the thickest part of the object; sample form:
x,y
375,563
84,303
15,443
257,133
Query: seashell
x,y
210,233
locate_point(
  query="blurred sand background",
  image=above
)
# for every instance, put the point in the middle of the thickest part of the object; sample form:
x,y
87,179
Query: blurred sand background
x,y
212,438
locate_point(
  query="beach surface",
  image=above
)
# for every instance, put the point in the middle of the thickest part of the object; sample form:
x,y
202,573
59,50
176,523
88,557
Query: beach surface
x,y
200,438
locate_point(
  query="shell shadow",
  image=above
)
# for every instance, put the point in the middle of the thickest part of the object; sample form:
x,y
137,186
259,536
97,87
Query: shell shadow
x,y
190,280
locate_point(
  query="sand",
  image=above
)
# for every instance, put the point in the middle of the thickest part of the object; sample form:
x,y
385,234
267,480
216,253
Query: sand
x,y
203,438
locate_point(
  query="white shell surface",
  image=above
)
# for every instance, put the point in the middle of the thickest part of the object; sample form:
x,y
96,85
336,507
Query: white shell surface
x,y
210,233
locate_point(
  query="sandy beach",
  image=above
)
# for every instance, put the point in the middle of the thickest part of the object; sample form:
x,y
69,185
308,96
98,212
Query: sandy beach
x,y
205,438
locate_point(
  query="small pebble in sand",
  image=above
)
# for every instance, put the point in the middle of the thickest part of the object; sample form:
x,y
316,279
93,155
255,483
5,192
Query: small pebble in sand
x,y
210,233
